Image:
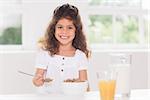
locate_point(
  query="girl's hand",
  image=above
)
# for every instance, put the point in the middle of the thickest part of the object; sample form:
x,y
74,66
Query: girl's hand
x,y
38,80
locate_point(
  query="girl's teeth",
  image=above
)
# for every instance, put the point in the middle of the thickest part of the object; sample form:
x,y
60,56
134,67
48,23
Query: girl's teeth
x,y
63,37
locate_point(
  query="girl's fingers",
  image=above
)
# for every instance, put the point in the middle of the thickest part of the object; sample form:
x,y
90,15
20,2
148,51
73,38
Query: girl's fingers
x,y
38,77
38,80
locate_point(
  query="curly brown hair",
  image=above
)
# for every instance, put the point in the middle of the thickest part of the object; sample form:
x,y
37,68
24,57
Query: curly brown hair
x,y
51,44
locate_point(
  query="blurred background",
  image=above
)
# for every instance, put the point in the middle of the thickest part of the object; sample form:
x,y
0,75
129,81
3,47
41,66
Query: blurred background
x,y
111,27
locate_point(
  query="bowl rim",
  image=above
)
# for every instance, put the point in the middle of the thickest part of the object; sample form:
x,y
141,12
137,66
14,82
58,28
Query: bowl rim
x,y
85,82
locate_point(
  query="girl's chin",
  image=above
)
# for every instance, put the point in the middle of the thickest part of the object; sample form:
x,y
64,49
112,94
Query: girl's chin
x,y
64,43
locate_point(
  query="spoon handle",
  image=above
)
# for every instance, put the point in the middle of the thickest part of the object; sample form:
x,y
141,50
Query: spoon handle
x,y
45,80
25,73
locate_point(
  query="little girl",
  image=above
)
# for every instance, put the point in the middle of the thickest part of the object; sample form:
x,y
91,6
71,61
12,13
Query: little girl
x,y
64,50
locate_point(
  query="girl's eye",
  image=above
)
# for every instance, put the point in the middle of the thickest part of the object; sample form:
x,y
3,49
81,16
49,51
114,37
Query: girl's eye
x,y
59,27
70,27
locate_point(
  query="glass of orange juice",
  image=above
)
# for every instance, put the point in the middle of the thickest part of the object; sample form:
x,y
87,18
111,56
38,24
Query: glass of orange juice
x,y
107,84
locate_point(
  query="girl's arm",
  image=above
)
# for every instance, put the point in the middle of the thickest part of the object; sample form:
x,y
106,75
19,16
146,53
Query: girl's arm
x,y
83,77
38,79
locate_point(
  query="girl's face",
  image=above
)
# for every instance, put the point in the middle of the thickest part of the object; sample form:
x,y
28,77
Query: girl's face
x,y
65,31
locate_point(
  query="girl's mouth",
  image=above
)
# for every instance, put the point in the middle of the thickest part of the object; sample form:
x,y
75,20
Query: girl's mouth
x,y
64,37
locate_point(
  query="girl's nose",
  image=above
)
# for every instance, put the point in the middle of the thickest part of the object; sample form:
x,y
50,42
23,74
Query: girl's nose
x,y
64,31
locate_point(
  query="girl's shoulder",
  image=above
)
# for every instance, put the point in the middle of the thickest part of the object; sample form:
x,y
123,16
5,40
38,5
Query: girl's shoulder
x,y
80,53
42,52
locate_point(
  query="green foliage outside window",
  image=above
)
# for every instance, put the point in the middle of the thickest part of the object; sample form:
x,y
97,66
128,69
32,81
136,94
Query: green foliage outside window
x,y
135,3
95,2
100,29
127,29
146,32
11,35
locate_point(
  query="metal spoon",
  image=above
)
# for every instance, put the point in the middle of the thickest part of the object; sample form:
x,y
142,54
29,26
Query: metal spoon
x,y
45,80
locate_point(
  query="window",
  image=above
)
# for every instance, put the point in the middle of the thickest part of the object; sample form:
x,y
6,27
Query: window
x,y
10,22
124,3
124,26
100,29
11,30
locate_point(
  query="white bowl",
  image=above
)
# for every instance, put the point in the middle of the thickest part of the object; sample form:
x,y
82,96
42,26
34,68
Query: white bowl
x,y
74,88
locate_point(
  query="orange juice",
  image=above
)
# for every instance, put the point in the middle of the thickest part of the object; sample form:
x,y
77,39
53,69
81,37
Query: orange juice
x,y
107,89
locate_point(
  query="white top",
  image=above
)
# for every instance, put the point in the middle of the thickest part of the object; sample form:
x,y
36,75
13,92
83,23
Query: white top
x,y
60,68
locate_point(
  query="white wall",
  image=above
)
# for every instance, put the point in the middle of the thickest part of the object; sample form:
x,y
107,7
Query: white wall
x,y
149,69
14,82
10,80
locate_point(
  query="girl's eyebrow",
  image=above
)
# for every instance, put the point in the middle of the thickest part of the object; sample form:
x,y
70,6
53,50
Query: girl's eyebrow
x,y
59,25
66,25
71,25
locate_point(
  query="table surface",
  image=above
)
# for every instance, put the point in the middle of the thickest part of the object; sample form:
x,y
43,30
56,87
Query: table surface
x,y
139,94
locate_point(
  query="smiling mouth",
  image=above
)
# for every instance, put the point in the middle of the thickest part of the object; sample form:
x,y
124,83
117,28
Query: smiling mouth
x,y
64,37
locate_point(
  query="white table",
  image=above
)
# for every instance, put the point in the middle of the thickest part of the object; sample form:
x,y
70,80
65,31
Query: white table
x,y
140,94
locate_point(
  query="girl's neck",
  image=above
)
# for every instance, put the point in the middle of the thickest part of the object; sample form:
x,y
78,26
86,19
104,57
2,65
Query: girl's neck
x,y
66,51
66,47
